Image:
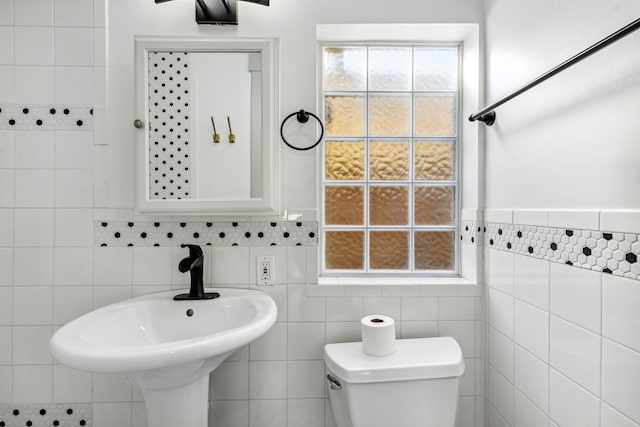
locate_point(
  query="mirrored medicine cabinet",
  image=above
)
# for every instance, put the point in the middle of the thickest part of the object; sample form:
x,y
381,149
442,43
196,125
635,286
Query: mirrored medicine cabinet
x,y
206,130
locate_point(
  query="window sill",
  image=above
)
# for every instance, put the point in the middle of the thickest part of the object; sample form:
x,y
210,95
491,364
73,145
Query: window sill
x,y
391,281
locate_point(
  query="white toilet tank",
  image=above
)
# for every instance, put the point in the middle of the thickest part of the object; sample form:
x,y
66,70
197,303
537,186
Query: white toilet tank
x,y
417,386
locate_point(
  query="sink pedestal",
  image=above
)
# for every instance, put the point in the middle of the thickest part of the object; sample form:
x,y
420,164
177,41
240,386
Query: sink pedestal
x,y
186,405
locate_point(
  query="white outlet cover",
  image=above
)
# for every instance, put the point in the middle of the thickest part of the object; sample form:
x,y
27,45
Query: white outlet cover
x,y
270,276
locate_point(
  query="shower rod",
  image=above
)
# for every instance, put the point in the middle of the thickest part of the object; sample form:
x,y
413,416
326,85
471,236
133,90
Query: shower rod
x,y
488,116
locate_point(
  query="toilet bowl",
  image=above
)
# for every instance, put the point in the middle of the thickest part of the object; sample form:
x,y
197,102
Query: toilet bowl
x,y
417,386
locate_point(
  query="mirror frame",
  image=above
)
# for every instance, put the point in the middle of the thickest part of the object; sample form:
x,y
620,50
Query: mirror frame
x,y
269,202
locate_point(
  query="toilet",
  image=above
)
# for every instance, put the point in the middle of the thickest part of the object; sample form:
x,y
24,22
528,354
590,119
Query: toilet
x,y
416,386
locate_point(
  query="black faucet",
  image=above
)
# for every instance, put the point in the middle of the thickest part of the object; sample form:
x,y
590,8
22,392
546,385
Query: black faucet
x,y
194,264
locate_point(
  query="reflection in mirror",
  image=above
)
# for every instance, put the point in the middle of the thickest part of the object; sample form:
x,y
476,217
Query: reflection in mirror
x,y
191,155
208,146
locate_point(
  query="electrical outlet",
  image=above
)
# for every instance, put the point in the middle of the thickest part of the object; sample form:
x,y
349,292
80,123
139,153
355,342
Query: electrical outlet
x,y
265,270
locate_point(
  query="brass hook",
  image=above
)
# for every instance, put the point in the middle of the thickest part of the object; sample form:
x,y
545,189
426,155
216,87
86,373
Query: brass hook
x,y
232,137
216,135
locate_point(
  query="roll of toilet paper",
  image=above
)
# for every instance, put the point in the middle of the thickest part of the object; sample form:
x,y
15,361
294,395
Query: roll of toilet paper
x,y
378,335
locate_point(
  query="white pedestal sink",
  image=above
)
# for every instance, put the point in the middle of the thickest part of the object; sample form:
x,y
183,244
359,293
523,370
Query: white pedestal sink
x,y
167,347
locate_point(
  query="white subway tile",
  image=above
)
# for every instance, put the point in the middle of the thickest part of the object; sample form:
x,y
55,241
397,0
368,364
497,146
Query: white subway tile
x,y
230,413
272,345
572,219
527,414
532,329
33,266
268,413
501,350
6,383
389,306
32,384
500,274
34,12
110,388
31,345
268,380
70,302
112,414
504,216
6,267
152,266
576,295
70,385
74,149
620,378
99,13
341,309
113,266
305,412
73,13
74,188
532,378
501,312
105,295
620,314
35,188
34,149
305,341
74,85
6,345
296,264
73,266
612,418
6,12
34,227
74,227
230,381
623,221
74,46
6,45
413,329
344,332
7,188
531,281
305,379
230,265
575,352
464,332
34,45
7,85
7,143
6,306
501,395
531,217
32,305
34,85
302,308
456,308
571,405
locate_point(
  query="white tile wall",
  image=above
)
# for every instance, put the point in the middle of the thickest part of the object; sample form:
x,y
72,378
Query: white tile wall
x,y
573,358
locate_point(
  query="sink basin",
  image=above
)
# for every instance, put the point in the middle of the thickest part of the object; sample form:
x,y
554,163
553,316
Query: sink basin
x,y
168,347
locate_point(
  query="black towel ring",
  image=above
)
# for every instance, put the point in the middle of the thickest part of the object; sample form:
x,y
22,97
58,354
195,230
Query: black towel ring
x,y
302,117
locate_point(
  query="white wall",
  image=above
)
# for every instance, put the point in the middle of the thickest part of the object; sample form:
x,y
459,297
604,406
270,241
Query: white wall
x,y
51,271
561,340
294,22
571,142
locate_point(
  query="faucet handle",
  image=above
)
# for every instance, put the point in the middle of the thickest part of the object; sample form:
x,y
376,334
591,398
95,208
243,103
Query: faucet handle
x,y
194,250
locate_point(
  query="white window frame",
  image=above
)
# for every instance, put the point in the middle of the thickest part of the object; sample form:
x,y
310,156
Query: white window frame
x,y
469,138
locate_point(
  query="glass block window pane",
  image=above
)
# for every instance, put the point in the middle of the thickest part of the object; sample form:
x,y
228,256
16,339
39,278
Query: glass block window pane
x,y
344,160
436,69
388,160
390,68
344,250
433,161
388,205
344,115
389,115
433,250
345,68
389,250
433,205
344,205
434,115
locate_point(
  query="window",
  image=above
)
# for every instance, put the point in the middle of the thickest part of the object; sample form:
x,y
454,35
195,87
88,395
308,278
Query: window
x,y
390,181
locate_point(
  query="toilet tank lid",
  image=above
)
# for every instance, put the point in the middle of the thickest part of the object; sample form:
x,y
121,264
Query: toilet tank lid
x,y
414,359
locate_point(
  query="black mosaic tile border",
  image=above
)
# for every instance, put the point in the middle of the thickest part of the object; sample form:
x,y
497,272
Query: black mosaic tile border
x,y
46,117
48,415
147,234
471,232
612,253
